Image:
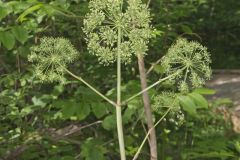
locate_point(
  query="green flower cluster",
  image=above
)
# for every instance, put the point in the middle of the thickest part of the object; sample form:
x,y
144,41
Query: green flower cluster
x,y
101,28
168,100
191,60
50,58
164,101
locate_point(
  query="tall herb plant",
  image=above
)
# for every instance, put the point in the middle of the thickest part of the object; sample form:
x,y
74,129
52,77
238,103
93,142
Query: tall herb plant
x,y
117,31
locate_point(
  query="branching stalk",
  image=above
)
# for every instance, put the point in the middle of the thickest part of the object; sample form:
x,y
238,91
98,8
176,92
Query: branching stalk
x,y
149,87
91,87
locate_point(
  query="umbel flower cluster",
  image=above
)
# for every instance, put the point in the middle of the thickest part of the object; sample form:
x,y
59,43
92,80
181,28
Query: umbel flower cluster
x,y
191,61
169,100
102,25
164,101
51,57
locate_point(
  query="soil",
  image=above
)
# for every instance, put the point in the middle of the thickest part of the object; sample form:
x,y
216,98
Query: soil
x,y
227,85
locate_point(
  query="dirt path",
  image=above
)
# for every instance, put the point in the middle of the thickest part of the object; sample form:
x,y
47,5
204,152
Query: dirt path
x,y
227,85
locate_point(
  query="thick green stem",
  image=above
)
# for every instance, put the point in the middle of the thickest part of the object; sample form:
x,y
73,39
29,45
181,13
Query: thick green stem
x,y
118,107
91,87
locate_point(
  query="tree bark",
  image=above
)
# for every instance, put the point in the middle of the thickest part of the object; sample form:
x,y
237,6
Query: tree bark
x,y
147,108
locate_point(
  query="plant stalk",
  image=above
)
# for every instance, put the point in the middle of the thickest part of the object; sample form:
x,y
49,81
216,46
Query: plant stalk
x,y
91,87
145,138
118,107
146,89
147,108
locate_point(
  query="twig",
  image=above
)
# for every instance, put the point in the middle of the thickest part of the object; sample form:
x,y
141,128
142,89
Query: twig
x,y
53,134
91,87
153,65
145,130
149,87
140,148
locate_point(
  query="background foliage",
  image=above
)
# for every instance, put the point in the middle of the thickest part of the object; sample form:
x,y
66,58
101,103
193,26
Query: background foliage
x,y
71,122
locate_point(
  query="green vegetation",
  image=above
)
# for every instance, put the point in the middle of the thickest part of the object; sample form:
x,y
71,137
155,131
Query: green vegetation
x,y
72,75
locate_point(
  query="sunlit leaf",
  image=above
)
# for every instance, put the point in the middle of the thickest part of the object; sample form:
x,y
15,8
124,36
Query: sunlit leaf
x,y
199,100
29,11
205,91
187,104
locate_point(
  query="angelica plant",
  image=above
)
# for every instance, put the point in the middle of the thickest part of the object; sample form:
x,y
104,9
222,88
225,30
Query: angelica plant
x,y
114,33
117,31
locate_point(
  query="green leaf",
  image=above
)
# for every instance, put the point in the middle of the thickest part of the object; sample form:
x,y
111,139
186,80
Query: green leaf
x,y
38,102
26,110
156,32
92,149
82,110
58,90
50,10
67,158
17,6
29,11
204,91
187,104
109,122
199,100
71,108
158,69
133,104
20,33
127,116
223,101
237,146
3,12
24,51
5,99
68,109
7,39
186,29
99,109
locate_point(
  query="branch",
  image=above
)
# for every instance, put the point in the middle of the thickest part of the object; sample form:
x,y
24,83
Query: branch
x,y
91,87
51,133
146,137
67,131
146,89
153,65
